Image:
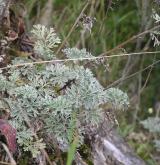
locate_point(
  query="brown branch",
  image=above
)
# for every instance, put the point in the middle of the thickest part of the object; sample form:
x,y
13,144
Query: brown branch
x,y
127,77
79,160
75,59
5,163
129,40
74,25
148,76
12,161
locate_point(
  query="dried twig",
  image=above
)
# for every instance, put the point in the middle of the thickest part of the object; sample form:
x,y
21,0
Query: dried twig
x,y
148,76
77,59
79,160
12,161
74,25
127,77
129,40
5,163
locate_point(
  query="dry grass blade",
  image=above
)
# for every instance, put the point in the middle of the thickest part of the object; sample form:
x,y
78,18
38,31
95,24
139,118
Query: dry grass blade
x,y
77,59
130,40
5,163
74,25
125,78
12,161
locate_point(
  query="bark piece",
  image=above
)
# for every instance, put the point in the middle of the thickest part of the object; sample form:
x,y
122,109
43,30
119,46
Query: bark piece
x,y
108,148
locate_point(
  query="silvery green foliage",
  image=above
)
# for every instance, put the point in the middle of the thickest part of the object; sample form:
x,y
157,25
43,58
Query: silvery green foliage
x,y
74,53
82,55
65,98
117,98
46,40
26,141
157,144
156,16
155,34
153,125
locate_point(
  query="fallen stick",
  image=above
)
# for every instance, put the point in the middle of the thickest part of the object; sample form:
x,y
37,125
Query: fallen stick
x,y
108,148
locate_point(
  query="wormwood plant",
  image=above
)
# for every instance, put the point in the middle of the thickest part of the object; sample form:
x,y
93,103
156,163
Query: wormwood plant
x,y
153,123
59,99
